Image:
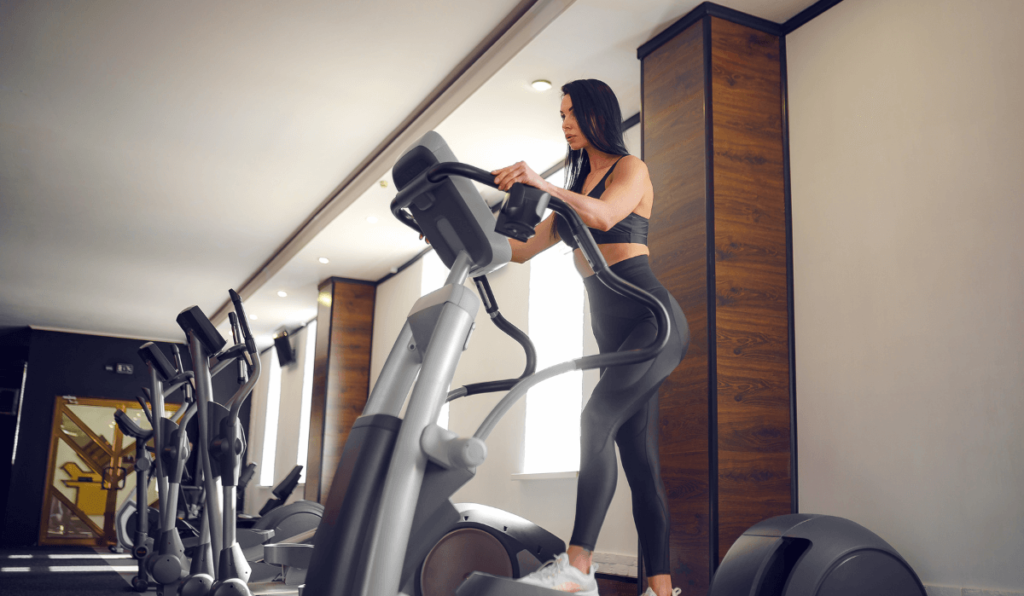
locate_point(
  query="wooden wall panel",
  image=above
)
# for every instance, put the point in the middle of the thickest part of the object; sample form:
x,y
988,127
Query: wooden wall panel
x,y
712,121
612,586
750,285
314,456
674,150
341,375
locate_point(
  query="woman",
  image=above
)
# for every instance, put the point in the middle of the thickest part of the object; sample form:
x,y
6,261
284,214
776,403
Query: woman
x,y
612,193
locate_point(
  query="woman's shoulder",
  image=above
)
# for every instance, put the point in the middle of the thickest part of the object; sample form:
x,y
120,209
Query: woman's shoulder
x,y
632,164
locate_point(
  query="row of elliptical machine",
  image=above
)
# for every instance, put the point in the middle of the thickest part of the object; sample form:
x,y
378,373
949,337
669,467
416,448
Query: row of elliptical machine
x,y
161,558
388,511
220,448
239,553
213,441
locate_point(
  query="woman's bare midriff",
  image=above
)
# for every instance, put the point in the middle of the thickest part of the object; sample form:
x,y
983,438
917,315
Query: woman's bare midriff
x,y
613,253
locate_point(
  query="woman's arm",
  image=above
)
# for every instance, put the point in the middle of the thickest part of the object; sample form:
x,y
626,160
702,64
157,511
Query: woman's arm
x,y
620,197
544,237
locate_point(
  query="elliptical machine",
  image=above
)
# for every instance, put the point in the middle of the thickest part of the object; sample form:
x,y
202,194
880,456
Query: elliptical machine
x,y
166,563
221,445
141,544
388,503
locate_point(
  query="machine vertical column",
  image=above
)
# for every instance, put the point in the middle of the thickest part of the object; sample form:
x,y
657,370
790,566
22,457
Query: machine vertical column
x,y
405,475
204,394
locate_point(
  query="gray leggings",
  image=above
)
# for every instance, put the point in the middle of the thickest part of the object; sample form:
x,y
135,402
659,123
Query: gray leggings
x,y
624,408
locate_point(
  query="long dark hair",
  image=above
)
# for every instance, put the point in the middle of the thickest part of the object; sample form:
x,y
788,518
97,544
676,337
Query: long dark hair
x,y
600,120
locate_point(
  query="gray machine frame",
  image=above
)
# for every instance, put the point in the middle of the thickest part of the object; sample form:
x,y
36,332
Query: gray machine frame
x,y
437,199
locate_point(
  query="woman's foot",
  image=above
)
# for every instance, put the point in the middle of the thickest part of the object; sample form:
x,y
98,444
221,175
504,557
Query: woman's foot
x,y
675,592
559,575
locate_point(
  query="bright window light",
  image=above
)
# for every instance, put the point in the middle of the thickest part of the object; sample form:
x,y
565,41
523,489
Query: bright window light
x,y
270,422
434,274
307,398
552,441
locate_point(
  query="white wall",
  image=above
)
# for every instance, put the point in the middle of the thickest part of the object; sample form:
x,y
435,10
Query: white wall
x,y
907,153
287,440
393,301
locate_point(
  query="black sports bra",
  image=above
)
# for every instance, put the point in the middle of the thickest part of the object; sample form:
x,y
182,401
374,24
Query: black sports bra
x,y
632,229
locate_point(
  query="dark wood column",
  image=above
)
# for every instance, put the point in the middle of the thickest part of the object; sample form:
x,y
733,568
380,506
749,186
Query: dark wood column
x,y
713,120
341,375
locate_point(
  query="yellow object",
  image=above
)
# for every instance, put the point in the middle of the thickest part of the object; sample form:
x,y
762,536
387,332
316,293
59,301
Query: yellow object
x,y
89,496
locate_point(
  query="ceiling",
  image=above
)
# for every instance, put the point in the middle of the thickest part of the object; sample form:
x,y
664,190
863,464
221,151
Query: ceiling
x,y
155,154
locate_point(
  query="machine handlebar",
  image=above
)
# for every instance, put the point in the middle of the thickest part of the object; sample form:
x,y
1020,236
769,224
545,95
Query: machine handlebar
x,y
520,212
128,427
243,322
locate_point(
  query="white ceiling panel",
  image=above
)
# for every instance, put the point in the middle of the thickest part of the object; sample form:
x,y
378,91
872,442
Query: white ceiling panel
x,y
154,154
159,152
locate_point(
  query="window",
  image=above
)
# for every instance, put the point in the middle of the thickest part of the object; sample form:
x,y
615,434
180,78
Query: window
x,y
270,421
307,397
552,441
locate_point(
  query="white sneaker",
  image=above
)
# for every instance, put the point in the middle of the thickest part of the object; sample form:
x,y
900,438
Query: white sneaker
x,y
559,575
675,592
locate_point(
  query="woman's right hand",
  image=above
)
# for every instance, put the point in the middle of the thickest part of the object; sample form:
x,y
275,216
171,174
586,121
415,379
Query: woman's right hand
x,y
517,172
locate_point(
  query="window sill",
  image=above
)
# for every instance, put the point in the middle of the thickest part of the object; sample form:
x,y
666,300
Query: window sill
x,y
547,476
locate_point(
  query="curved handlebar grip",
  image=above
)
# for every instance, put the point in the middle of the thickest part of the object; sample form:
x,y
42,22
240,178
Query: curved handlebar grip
x,y
483,288
448,168
236,331
145,408
406,218
178,362
236,336
250,343
128,426
433,175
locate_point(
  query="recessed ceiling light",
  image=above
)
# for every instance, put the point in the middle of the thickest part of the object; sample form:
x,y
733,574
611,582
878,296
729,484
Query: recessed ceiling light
x,y
541,85
283,294
253,317
372,219
324,260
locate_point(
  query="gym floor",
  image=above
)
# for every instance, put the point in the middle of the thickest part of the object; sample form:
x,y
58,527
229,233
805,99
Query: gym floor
x,y
74,570
56,571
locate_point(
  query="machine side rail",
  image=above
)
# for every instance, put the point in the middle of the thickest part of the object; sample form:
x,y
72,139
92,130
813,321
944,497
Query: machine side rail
x,y
523,208
491,305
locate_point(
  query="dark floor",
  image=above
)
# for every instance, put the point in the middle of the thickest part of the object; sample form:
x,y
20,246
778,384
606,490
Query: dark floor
x,y
68,570
73,570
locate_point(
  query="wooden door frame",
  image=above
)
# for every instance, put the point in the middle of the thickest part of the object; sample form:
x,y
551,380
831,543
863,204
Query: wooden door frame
x,y
105,535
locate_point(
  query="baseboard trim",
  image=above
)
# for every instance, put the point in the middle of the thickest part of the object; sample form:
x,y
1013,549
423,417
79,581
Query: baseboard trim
x,y
616,565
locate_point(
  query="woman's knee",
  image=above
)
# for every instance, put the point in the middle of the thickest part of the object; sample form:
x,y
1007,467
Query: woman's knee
x,y
596,429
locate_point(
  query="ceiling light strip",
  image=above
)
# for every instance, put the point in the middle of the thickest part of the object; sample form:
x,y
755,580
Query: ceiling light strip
x,y
518,29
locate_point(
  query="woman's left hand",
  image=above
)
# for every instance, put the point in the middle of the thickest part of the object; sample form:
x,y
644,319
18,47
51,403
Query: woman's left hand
x,y
517,172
